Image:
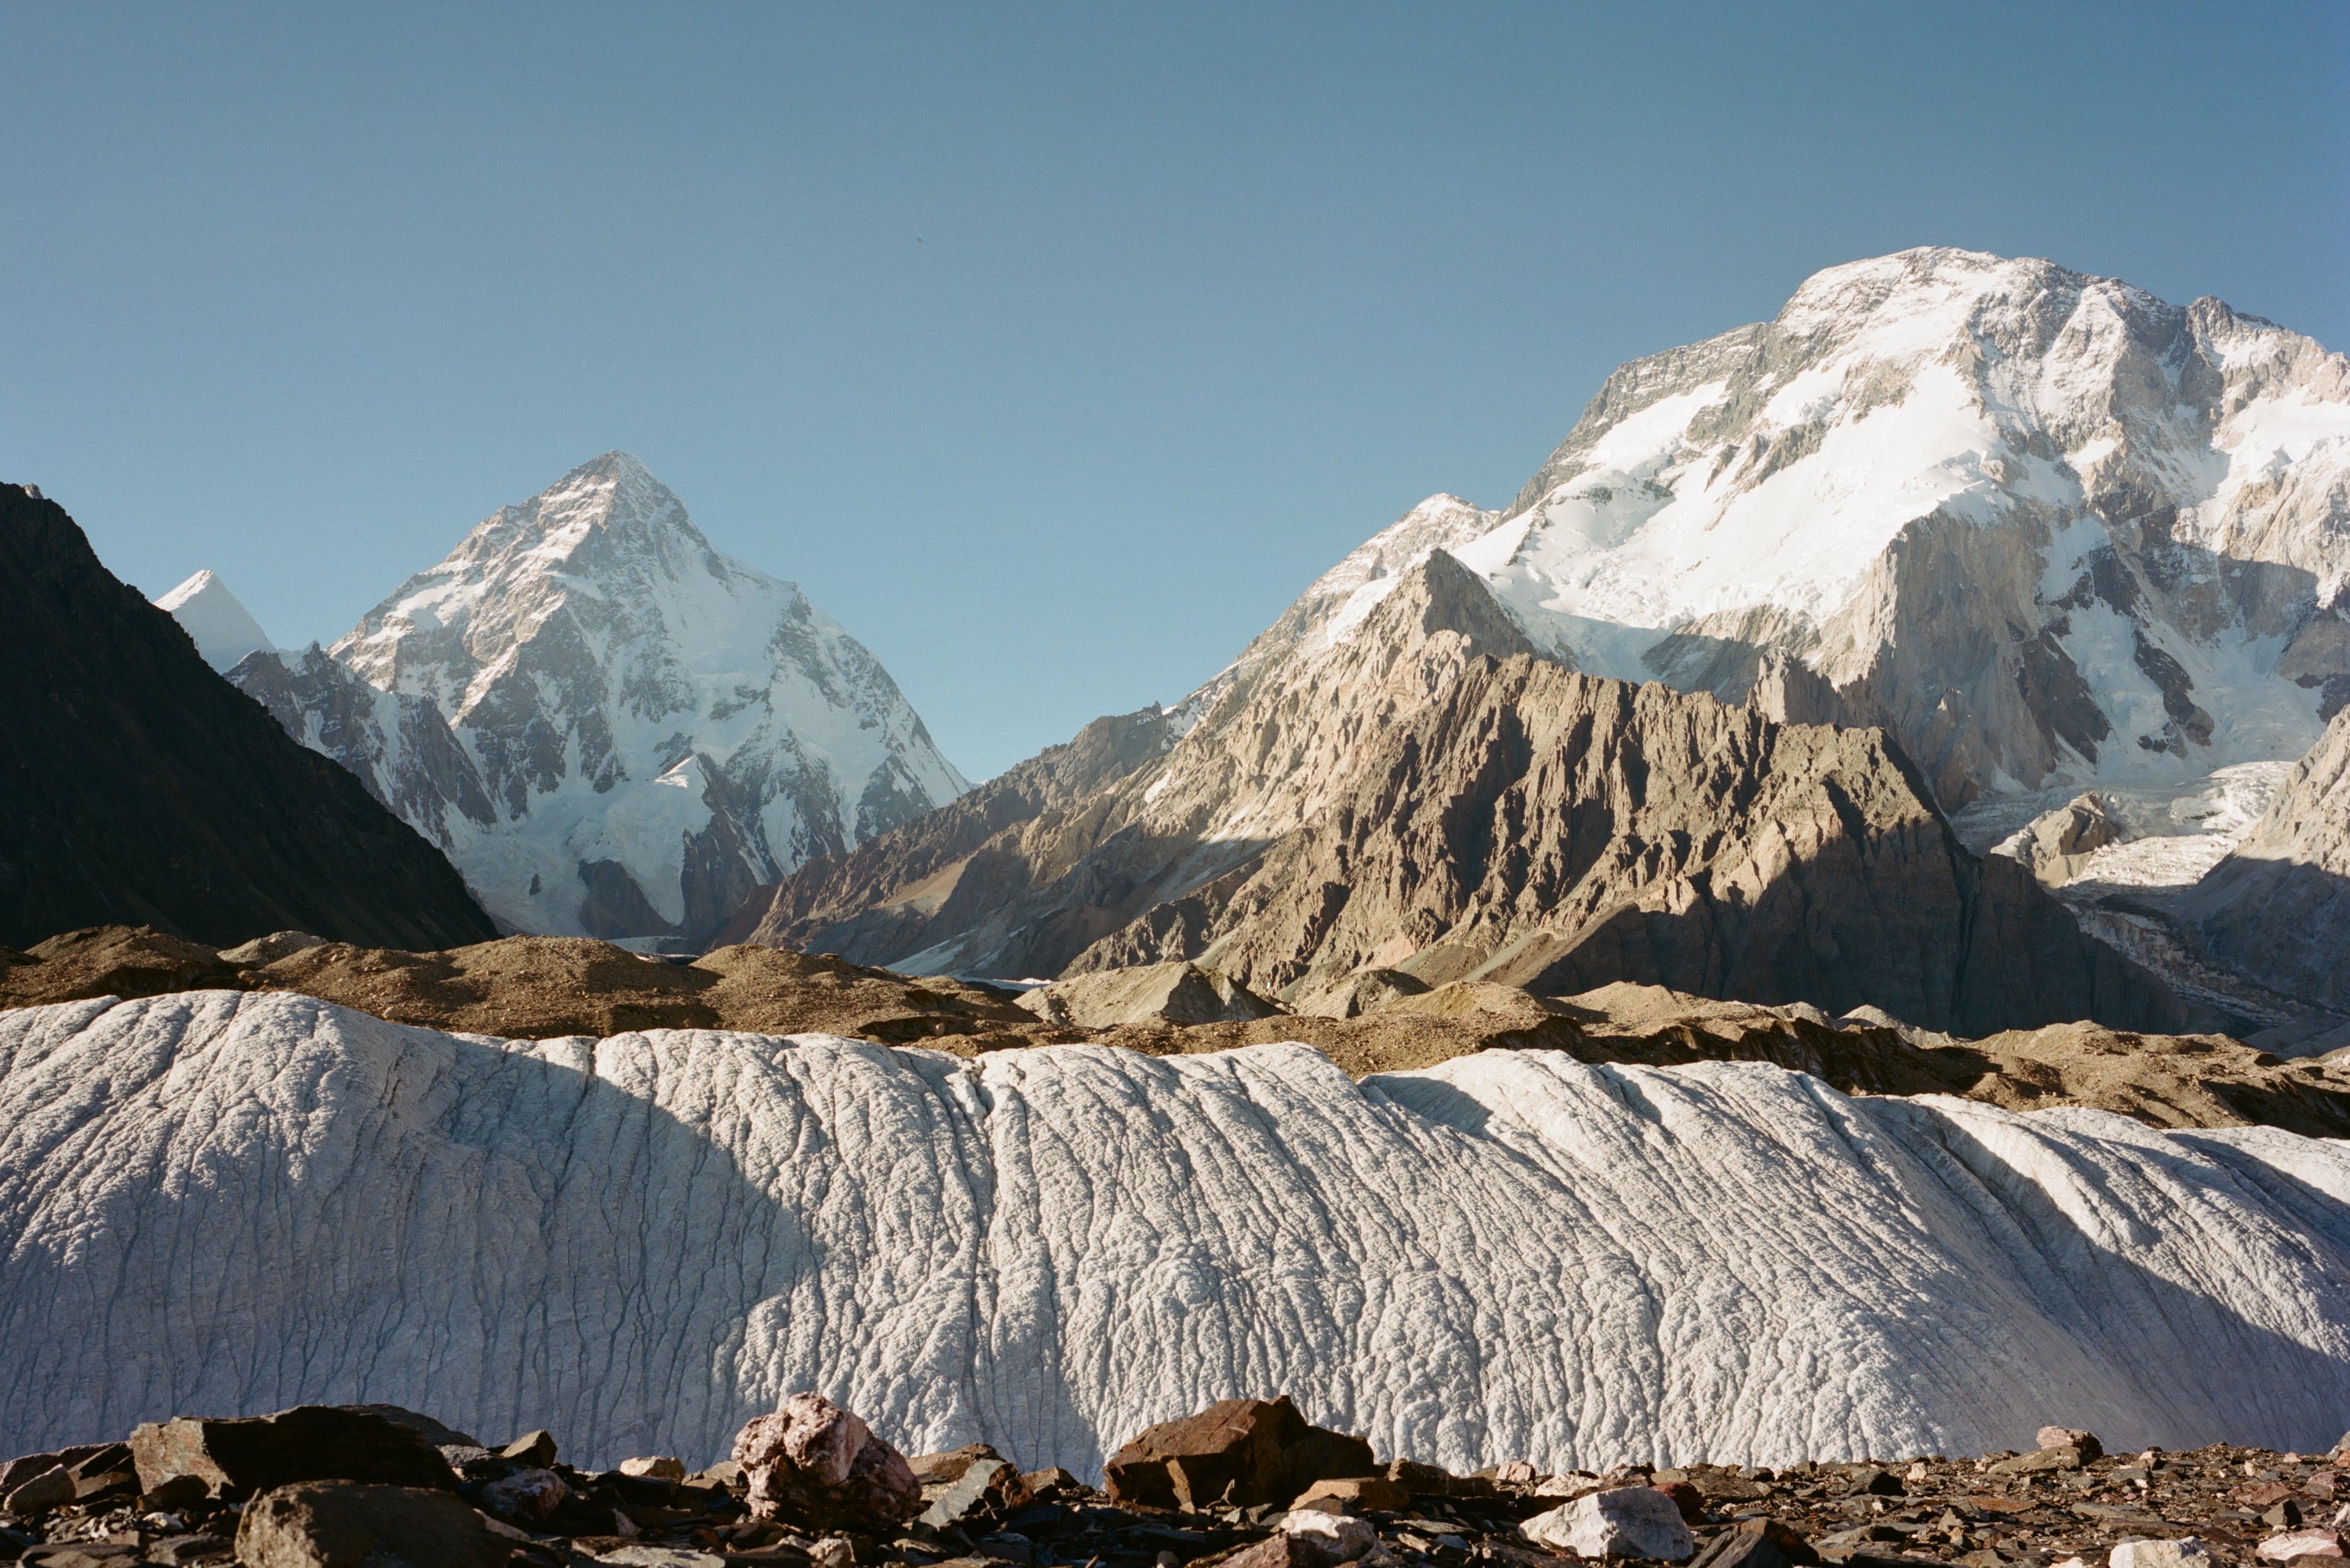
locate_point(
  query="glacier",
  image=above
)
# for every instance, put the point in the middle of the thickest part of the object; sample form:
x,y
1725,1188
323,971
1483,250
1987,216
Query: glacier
x,y
218,1202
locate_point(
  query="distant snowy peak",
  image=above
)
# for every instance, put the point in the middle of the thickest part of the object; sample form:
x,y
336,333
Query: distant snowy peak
x,y
223,629
2109,532
656,728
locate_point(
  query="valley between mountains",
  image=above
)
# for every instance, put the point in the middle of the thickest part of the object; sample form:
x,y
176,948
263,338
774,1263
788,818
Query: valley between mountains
x,y
1815,930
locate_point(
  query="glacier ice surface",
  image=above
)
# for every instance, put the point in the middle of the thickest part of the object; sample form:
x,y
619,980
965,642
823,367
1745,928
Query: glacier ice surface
x,y
212,1203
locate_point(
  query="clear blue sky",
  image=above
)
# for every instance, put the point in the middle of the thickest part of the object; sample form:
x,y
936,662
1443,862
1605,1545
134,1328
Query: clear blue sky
x,y
1051,348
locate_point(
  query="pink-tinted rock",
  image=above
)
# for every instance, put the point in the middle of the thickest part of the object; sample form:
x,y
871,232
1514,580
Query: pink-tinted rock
x,y
532,1494
816,1464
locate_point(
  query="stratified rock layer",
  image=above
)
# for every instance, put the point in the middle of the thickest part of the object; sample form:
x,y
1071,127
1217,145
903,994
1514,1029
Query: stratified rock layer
x,y
644,1241
136,786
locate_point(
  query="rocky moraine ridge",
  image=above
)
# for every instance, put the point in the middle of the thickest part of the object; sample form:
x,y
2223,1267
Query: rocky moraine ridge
x,y
1244,1483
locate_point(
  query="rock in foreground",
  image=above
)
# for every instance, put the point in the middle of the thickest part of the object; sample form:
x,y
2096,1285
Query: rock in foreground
x,y
2218,1506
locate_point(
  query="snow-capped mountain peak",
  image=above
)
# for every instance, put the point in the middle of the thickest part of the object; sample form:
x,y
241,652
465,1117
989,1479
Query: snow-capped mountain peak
x,y
223,629
2018,515
656,726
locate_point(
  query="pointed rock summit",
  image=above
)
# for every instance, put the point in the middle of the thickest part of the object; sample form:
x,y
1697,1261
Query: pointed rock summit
x,y
224,630
613,729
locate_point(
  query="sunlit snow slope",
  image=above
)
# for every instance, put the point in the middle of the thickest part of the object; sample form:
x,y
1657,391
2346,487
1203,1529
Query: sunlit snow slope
x,y
216,1203
611,728
224,630
2044,527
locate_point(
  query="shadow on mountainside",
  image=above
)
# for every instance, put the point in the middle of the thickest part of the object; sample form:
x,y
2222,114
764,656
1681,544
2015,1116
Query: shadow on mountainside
x,y
335,1210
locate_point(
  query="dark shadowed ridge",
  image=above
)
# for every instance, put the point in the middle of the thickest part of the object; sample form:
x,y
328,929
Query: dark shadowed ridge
x,y
139,787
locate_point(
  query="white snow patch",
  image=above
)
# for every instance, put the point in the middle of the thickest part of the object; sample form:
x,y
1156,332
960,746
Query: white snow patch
x,y
222,629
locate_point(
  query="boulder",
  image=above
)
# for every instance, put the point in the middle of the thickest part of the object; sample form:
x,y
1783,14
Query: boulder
x,y
1243,1452
1686,1496
660,1467
1354,1494
1158,992
1870,1480
2297,1543
1051,1481
235,1459
526,1495
937,1469
814,1463
2072,1438
1420,1480
531,1448
1333,1537
2041,1461
1757,1543
1625,1522
1283,1550
2186,1552
983,1485
344,1524
52,1488
1742,1549
15,1472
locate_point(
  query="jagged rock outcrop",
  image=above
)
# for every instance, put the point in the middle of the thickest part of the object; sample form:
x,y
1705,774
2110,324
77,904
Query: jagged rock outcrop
x,y
612,729
2057,845
137,788
2277,908
643,1242
882,895
1162,992
1560,831
1269,743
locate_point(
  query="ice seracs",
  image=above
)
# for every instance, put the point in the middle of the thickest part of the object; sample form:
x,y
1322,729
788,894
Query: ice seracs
x,y
224,630
645,1240
637,728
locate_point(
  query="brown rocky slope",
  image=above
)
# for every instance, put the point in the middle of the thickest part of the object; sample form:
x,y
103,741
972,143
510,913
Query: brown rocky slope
x,y
1275,740
539,987
1559,831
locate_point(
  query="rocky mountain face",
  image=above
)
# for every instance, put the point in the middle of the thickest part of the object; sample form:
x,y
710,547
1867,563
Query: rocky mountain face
x,y
1398,781
2277,908
136,786
1269,743
609,726
2043,528
830,905
1559,831
2107,532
